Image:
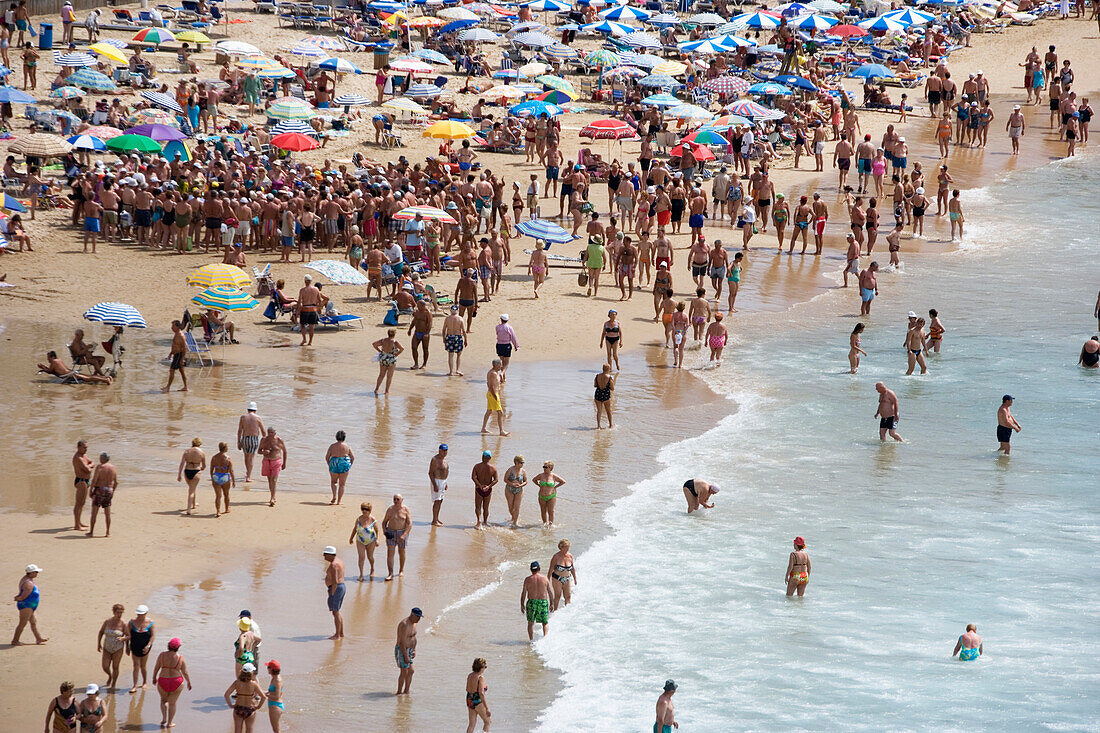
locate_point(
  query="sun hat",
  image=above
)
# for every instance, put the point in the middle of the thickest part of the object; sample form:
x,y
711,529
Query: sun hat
x,y
141,609
329,550
244,624
252,407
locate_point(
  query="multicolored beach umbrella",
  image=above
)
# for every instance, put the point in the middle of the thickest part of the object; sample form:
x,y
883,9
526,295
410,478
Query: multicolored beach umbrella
x,y
559,51
750,109
67,93
91,79
225,298
291,108
556,82
87,142
427,213
556,96
547,231
155,36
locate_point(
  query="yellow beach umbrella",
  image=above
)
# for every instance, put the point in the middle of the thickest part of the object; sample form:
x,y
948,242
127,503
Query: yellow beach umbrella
x,y
395,18
405,105
108,51
193,37
672,68
209,276
449,130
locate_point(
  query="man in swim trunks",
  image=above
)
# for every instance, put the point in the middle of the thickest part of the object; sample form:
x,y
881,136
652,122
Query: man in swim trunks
x,y
493,380
396,526
485,477
178,357
82,467
250,428
104,483
1006,423
534,601
697,491
438,471
404,652
421,331
334,583
454,341
868,288
666,713
888,413
273,450
466,296
969,647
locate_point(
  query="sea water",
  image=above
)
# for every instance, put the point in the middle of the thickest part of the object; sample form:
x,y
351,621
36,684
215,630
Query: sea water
x,y
909,542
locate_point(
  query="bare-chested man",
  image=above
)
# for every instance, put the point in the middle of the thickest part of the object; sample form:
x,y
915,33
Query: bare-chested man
x,y
534,601
421,330
82,467
1006,423
485,477
888,413
466,296
493,380
104,483
666,712
273,451
335,589
178,356
454,341
310,304
396,526
250,428
868,288
697,491
438,471
404,652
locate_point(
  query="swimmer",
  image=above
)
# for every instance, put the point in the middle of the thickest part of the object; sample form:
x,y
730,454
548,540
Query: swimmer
x,y
798,569
935,330
969,646
854,350
1090,353
697,491
1006,423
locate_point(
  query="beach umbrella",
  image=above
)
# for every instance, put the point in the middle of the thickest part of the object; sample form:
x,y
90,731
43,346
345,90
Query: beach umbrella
x,y
155,36
828,6
40,145
13,204
846,31
193,36
403,104
601,59
257,63
625,12
342,66
76,59
664,19
748,108
626,72
641,40
882,23
795,9
219,275
534,69
291,108
12,95
504,92
659,81
87,142
732,42
547,6
556,96
103,132
108,51
294,141
160,99
477,35
760,21
457,14
769,89
528,89
410,65
351,100
909,16
873,71
329,43
449,130
727,122
149,117
705,46
457,25
661,100
237,48
280,72
431,55
299,126
91,79
701,152
528,25
427,213
608,129
610,27
559,51
423,91
534,39
795,82
223,298
115,314
131,143
67,93
160,133
707,19
672,68
556,82
706,137
426,21
308,50
688,112
536,108
386,6
506,74
547,231
814,22
338,271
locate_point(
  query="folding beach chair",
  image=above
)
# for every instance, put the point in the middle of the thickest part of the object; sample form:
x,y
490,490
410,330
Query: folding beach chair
x,y
198,349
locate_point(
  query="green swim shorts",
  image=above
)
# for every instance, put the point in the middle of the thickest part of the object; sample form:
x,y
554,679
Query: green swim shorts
x,y
538,611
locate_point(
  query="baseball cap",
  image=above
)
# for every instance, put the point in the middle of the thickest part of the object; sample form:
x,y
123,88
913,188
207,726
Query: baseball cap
x,y
92,689
174,643
669,685
443,446
486,454
273,666
1007,397
714,488
32,568
329,550
535,565
245,614
248,667
912,314
417,612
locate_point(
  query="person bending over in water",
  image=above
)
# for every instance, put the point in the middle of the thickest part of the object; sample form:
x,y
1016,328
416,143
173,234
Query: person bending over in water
x,y
697,491
798,569
888,413
1090,353
969,646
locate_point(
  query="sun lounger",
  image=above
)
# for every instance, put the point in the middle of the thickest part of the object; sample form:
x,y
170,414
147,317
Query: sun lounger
x,y
340,320
70,378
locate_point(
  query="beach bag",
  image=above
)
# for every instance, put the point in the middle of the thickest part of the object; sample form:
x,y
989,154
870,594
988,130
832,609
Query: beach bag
x,y
391,317
582,278
271,312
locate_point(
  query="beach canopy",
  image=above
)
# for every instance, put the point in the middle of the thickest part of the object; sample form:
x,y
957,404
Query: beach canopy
x,y
557,97
224,298
659,81
294,141
640,40
626,12
706,137
661,100
87,142
909,16
457,14
149,117
432,55
172,148
329,43
688,112
291,108
707,19
477,35
705,46
728,122
748,108
547,231
760,21
338,271
309,50
219,274
559,52
158,132
449,130
608,129
408,65
556,82
423,91
130,143
76,59
40,145
610,27
882,23
115,314
733,42
427,213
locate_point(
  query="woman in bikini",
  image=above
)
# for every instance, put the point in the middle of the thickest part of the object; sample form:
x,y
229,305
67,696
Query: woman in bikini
x,y
111,642
562,575
854,350
222,477
476,705
388,350
192,463
537,266
610,336
275,707
170,672
798,569
548,483
245,696
515,478
678,325
91,711
365,537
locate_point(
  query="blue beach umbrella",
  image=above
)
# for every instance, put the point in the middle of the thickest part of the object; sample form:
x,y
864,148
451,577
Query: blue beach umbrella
x,y
431,55
873,71
610,28
769,89
15,96
757,20
423,91
457,25
536,108
659,81
625,12
92,79
882,23
641,40
160,99
545,230
87,142
793,10
732,42
705,46
795,82
115,314
909,16
548,6
13,204
661,100
339,65
477,35
814,22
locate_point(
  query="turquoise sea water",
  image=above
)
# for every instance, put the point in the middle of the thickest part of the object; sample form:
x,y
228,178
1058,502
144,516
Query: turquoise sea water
x,y
909,542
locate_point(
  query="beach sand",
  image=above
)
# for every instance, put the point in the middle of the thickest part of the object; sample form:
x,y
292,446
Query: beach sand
x,y
197,572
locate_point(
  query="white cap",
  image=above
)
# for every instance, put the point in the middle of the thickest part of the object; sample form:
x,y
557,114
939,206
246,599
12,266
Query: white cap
x,y
504,316
141,609
32,568
252,407
330,550
93,689
248,667
309,278
1015,108
920,190
912,314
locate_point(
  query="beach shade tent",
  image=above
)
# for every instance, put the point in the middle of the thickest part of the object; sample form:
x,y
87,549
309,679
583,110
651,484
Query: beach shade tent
x,y
174,147
457,14
192,36
428,54
115,314
814,22
67,93
225,298
701,152
12,95
759,21
219,274
103,132
707,19
872,71
672,68
449,130
608,129
547,231
625,72
427,213
705,46
160,133
237,48
155,36
477,35
658,81
610,28
91,79
457,25
134,143
351,100
847,31
728,85
536,108
661,100
40,145
404,104
795,82
423,91
150,117
109,52
165,101
909,16
641,40
87,142
329,43
688,112
706,137
882,23
338,271
556,96
291,108
770,89
625,12
343,66
559,52
300,126
728,122
76,59
294,141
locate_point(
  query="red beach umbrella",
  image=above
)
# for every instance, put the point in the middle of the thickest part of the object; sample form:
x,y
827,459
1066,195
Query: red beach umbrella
x,y
701,152
846,31
609,130
294,141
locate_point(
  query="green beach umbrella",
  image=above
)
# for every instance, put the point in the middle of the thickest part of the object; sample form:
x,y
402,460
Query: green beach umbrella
x,y
130,143
225,299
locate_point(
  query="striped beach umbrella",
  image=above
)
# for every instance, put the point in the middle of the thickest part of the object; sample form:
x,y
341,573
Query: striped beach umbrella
x,y
160,99
732,42
91,79
626,72
658,81
524,27
546,231
351,100
299,126
752,110
423,91
625,12
641,40
75,59
87,142
611,28
559,51
602,59
40,145
534,69
534,39
328,43
155,36
556,96
130,143
504,92
237,48
477,35
705,46
341,66
404,104
536,108
672,68
219,274
449,130
457,14
280,72
882,23
706,137
308,50
115,314
257,63
556,82
662,19
769,89
291,108
294,141
608,129
828,6
410,65
661,100
688,112
728,122
224,298
759,21
706,19
547,6
506,74
815,22
728,85
103,132
67,93
909,16
117,43
428,213
427,21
